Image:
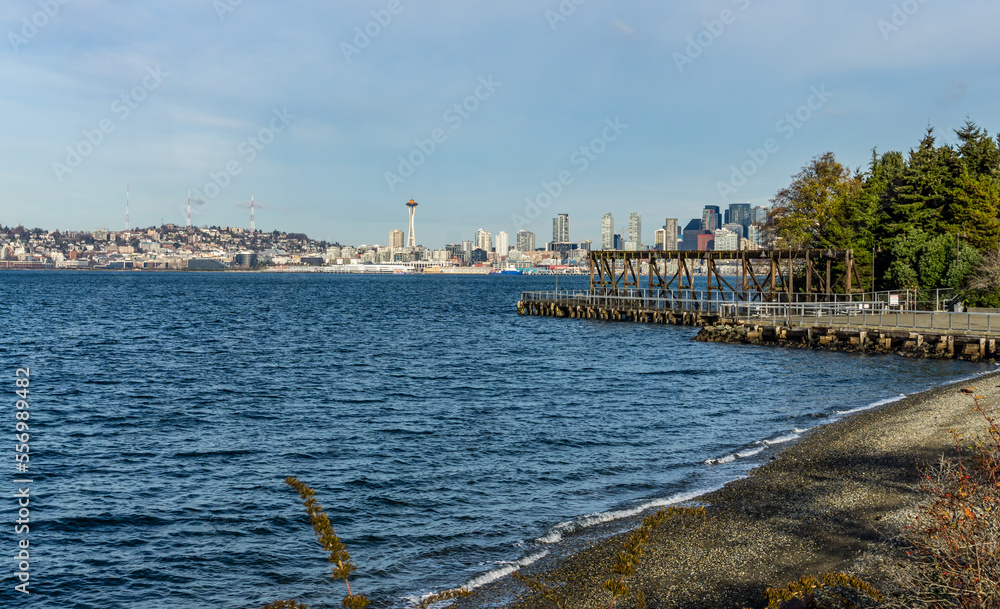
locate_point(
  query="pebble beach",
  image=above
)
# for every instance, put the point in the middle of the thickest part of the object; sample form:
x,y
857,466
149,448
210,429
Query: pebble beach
x,y
832,502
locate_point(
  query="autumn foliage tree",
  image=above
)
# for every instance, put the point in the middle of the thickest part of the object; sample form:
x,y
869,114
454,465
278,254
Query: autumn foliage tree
x,y
923,220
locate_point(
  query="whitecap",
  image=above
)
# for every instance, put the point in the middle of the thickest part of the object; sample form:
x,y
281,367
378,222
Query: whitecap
x,y
556,533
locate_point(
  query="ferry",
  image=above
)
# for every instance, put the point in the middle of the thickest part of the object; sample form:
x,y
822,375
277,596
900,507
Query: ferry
x,y
510,269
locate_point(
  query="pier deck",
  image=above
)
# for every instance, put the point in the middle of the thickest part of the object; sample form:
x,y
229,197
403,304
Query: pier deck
x,y
750,309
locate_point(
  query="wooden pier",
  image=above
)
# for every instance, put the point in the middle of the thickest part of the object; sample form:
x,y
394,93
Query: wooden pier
x,y
759,303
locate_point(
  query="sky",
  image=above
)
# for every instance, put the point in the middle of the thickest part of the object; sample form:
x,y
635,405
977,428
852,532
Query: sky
x,y
496,115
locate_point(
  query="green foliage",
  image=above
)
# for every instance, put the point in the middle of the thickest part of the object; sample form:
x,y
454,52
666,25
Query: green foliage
x,y
833,585
289,604
909,212
340,558
813,212
447,595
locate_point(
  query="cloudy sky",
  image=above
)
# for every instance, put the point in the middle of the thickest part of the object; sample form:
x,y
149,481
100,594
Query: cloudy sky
x,y
490,114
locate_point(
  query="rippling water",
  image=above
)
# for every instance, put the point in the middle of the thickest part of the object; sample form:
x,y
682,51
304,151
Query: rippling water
x,y
446,436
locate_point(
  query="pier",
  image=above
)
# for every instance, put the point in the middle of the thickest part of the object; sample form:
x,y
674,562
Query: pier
x,y
789,298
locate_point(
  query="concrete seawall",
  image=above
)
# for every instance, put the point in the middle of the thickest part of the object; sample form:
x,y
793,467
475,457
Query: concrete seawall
x,y
924,344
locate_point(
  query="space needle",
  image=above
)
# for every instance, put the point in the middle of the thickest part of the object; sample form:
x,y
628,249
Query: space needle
x,y
413,208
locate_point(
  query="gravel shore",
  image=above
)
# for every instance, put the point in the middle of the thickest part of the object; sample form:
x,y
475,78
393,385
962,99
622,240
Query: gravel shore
x,y
828,503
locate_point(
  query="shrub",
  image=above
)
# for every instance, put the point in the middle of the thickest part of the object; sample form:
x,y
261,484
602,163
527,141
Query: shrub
x,y
954,540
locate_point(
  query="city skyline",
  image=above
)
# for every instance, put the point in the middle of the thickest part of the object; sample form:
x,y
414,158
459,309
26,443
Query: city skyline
x,y
659,108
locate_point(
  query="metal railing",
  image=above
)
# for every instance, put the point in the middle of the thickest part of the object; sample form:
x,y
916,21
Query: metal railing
x,y
843,314
876,313
678,301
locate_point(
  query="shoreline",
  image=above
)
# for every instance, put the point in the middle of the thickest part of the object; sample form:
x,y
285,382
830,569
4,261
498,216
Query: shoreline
x,y
827,503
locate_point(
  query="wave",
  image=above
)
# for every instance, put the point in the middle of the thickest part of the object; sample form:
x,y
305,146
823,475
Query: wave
x,y
559,531
757,447
876,404
506,569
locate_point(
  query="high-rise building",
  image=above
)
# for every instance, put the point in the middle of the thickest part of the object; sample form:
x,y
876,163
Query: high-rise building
x,y
726,240
560,229
670,242
619,242
525,241
753,235
633,240
737,228
503,243
691,232
396,239
484,240
467,247
608,232
740,213
660,239
759,215
710,220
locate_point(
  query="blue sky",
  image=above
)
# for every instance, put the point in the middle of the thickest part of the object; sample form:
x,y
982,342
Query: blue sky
x,y
288,100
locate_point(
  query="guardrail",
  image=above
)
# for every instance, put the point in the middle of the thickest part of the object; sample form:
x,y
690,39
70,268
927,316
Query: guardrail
x,y
834,313
824,314
676,301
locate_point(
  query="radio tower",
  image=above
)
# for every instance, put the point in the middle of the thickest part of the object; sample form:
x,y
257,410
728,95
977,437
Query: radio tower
x,y
253,226
127,225
189,212
413,208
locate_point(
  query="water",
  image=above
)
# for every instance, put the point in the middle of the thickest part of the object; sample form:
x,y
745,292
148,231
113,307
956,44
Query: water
x,y
446,436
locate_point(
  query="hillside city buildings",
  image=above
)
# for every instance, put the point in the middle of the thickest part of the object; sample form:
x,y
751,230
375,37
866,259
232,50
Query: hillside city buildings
x,y
171,247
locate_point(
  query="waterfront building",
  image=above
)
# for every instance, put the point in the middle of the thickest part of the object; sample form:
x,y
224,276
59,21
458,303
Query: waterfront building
x,y
396,239
525,241
484,240
560,228
726,240
608,232
633,240
455,251
710,219
670,240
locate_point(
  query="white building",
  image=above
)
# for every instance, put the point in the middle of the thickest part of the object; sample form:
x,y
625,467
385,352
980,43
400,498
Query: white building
x,y
726,240
503,244
484,240
660,239
560,229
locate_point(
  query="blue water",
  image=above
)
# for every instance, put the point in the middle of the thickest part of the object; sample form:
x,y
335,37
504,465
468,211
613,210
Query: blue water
x,y
446,436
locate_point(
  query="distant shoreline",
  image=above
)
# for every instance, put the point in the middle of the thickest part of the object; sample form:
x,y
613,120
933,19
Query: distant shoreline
x,y
305,271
